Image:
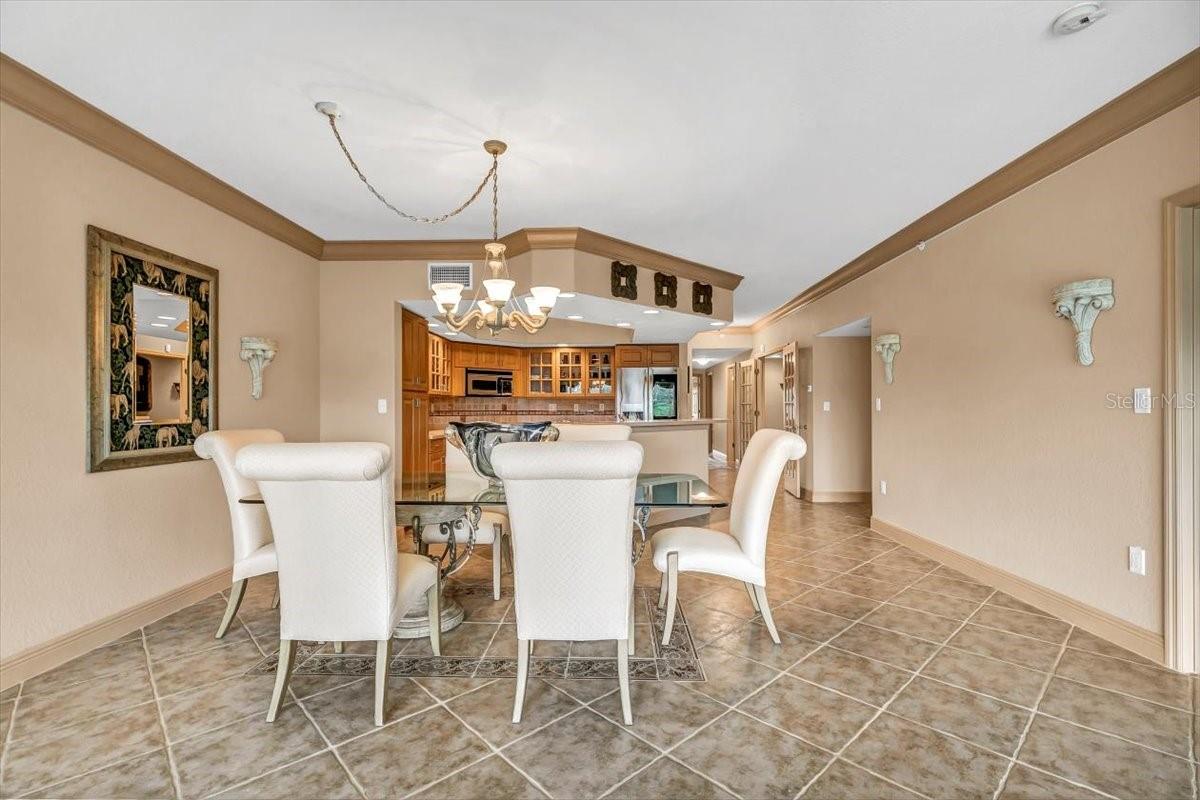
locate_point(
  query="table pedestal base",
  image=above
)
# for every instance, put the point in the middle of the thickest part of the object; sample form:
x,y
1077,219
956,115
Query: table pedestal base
x,y
415,623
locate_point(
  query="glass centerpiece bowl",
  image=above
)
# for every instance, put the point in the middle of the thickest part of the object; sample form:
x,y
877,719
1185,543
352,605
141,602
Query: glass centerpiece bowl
x,y
476,440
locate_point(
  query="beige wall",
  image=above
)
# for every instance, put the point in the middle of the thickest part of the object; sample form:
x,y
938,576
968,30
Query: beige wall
x,y
76,547
841,437
993,440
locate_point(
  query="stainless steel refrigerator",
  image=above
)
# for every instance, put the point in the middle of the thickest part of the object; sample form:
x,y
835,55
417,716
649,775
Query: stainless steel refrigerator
x,y
647,393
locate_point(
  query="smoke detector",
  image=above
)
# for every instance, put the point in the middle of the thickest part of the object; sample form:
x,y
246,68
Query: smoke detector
x,y
1077,17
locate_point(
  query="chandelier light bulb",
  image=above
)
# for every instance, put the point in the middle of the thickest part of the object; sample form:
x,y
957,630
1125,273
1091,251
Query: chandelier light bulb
x,y
546,296
499,290
535,310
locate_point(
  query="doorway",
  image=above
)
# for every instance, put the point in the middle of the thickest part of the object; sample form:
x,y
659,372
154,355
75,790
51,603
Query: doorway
x,y
781,404
747,405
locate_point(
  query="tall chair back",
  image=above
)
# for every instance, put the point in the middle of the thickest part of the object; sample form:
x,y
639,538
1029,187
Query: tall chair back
x,y
571,509
754,490
332,508
251,527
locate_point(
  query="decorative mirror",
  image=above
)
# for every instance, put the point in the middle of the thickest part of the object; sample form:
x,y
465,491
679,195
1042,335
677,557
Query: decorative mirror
x,y
665,288
624,280
152,346
702,298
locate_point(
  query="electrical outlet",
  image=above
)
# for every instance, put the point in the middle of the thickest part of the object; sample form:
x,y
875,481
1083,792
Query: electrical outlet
x,y
879,404
826,405
1137,560
883,487
381,405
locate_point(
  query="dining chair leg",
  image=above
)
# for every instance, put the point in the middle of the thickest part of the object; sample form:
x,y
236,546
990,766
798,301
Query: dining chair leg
x,y
383,659
275,597
765,608
662,591
672,595
623,678
753,597
236,592
497,558
433,597
283,674
522,677
339,647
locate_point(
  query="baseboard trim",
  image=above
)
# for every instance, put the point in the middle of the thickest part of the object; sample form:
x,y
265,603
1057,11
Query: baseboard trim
x,y
1132,637
834,497
34,661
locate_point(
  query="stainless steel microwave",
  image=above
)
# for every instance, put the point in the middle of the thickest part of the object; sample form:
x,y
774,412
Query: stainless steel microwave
x,y
489,383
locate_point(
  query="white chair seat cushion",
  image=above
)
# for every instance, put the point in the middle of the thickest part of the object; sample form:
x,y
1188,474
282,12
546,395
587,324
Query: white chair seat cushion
x,y
414,575
261,562
486,534
705,550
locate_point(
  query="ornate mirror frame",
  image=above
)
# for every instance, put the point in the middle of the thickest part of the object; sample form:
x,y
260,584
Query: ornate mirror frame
x,y
115,439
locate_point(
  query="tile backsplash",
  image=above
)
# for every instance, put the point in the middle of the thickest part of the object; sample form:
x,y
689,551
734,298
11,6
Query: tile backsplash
x,y
518,409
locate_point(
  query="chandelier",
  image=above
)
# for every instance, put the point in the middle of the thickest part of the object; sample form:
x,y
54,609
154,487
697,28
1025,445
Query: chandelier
x,y
495,306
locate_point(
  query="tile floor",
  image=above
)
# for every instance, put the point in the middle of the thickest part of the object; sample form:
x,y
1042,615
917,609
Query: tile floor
x,y
897,678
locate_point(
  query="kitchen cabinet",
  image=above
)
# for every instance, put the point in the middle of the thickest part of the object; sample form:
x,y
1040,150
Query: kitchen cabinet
x,y
600,372
568,371
414,417
648,355
414,367
437,455
508,358
631,355
439,365
462,355
540,374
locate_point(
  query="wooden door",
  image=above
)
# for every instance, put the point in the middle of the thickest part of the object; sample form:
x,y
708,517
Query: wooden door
x,y
414,410
568,371
747,404
600,372
439,365
540,375
804,415
730,378
791,415
414,371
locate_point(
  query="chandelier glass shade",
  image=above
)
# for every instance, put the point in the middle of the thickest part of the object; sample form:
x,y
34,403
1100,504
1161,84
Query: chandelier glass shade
x,y
494,305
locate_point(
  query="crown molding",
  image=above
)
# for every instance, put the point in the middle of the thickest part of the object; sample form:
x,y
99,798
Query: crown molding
x,y
523,241
1162,92
24,89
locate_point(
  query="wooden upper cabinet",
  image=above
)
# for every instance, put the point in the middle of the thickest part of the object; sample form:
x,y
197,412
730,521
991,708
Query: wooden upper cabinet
x,y
662,355
508,358
540,373
462,355
631,355
569,369
414,369
439,365
600,372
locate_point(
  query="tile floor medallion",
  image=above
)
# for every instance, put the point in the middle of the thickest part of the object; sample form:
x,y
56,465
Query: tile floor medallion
x,y
897,677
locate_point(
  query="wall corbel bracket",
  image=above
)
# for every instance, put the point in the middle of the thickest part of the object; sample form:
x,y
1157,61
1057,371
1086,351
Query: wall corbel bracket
x,y
887,345
257,352
1081,302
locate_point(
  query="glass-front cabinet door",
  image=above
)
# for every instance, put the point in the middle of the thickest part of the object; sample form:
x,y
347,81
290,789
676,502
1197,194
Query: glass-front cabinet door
x,y
600,372
541,373
570,371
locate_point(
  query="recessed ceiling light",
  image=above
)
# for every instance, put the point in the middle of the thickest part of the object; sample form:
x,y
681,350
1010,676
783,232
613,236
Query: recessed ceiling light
x,y
567,295
452,333
716,324
650,311
160,316
159,325
624,324
574,316
434,325
562,344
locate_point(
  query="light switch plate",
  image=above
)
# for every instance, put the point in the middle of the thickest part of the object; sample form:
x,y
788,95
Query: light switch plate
x,y
381,405
1137,560
1141,400
879,404
883,487
826,405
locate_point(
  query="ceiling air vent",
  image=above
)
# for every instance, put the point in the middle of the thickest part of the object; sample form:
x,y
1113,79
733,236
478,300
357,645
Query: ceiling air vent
x,y
450,272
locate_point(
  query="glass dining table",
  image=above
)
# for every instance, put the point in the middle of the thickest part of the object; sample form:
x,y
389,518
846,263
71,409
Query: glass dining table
x,y
455,502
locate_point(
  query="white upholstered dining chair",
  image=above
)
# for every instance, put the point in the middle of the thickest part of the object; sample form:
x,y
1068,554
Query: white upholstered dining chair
x,y
738,551
492,529
568,432
341,577
571,506
253,546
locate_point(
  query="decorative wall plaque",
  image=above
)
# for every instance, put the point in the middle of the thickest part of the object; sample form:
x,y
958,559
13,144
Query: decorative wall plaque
x,y
624,280
702,298
665,287
1080,303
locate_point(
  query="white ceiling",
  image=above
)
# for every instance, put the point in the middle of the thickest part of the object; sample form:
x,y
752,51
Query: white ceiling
x,y
777,141
159,313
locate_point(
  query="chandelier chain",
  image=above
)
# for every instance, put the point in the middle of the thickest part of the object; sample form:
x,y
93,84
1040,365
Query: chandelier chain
x,y
491,175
